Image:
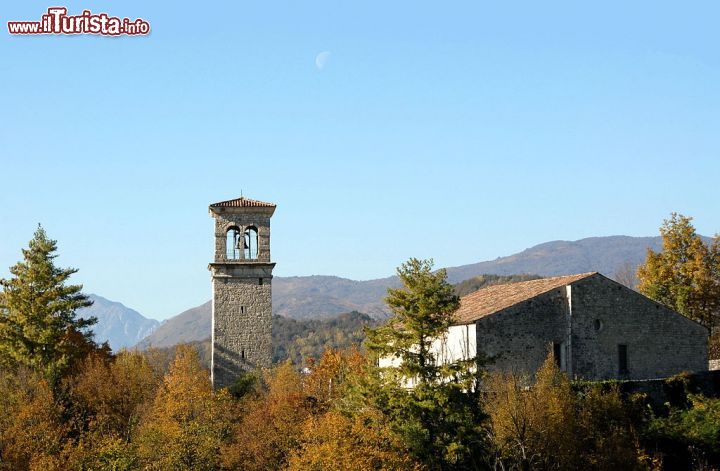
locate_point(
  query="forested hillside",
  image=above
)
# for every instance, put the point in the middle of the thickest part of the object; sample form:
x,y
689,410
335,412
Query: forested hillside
x,y
296,340
299,339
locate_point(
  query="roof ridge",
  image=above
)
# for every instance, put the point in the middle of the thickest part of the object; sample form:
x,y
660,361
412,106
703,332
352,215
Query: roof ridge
x,y
578,276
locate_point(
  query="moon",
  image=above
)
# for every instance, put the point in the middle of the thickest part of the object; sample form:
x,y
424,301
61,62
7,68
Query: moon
x,y
322,59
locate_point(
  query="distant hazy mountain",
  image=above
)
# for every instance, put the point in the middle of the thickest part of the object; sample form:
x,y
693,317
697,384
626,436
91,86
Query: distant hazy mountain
x,y
305,297
120,326
323,296
604,254
301,297
188,326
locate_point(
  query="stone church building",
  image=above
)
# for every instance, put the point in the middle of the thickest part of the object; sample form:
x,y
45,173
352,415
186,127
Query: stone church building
x,y
595,328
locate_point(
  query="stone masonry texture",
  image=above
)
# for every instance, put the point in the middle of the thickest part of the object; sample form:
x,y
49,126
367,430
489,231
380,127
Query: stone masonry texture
x,y
242,294
589,319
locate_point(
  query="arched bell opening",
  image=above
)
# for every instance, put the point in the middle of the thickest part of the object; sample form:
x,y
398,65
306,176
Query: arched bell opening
x,y
251,243
233,243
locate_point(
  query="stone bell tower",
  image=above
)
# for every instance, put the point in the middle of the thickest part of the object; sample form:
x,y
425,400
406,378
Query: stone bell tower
x,y
242,289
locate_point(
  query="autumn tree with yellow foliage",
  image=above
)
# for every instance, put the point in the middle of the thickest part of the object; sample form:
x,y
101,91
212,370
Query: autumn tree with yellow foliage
x,y
335,441
542,423
685,275
187,423
342,433
270,423
31,426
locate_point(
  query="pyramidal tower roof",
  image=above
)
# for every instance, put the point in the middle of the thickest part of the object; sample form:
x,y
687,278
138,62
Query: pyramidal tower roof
x,y
242,202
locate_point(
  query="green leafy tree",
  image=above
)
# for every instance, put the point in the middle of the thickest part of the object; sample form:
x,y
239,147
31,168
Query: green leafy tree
x,y
439,417
39,327
688,434
685,275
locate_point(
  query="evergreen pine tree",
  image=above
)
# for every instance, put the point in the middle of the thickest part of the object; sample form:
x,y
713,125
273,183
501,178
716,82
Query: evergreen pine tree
x,y
39,327
439,415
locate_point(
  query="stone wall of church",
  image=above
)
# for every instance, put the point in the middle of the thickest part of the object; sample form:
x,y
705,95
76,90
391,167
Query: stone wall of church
x,y
519,338
589,321
658,341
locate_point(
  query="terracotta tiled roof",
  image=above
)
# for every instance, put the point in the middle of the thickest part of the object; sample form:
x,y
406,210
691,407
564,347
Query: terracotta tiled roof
x,y
242,202
495,298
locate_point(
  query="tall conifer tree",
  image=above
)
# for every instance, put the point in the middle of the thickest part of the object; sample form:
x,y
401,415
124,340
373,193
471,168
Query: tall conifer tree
x,y
432,402
39,327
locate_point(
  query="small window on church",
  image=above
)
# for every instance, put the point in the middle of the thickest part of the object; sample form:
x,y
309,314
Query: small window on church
x,y
598,325
233,244
260,281
251,243
242,354
622,360
242,309
557,354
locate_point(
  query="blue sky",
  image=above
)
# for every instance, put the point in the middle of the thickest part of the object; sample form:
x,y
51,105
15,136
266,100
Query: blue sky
x,y
458,131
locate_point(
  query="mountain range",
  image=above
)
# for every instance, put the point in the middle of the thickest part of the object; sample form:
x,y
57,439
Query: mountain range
x,y
117,324
323,297
306,297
